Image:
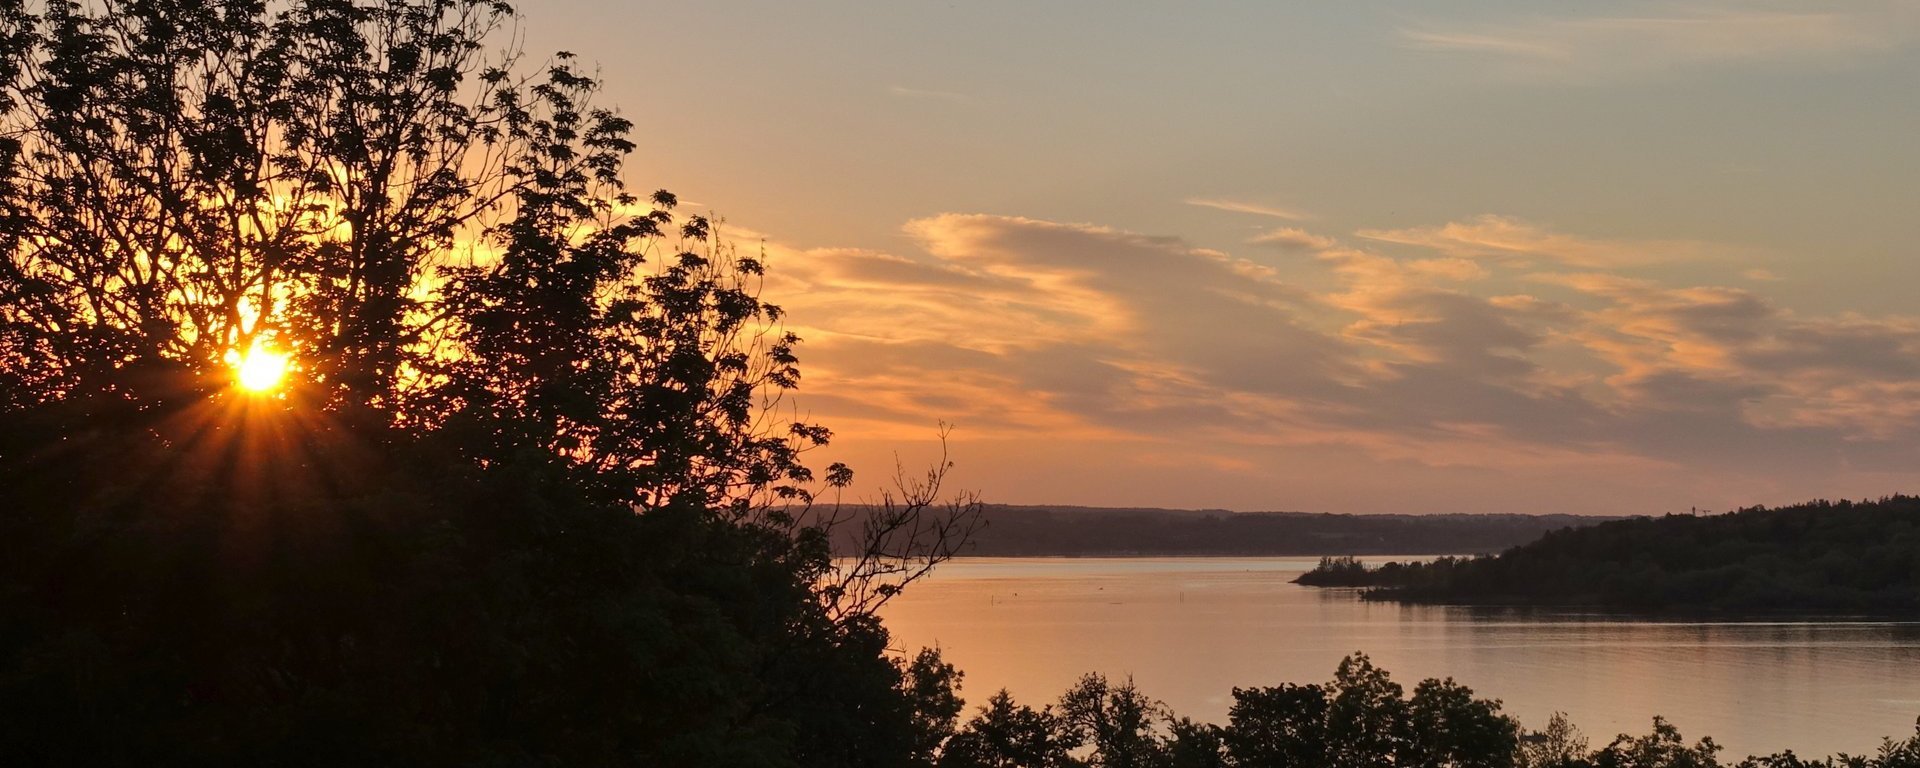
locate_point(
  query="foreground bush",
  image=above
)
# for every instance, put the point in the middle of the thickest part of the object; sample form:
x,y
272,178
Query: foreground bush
x,y
1360,719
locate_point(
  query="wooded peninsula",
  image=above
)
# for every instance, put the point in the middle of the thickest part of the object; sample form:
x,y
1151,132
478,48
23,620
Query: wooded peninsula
x,y
1826,557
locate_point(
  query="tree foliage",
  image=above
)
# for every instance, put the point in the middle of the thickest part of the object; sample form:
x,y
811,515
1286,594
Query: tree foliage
x,y
1003,734
1856,557
1359,719
427,231
532,494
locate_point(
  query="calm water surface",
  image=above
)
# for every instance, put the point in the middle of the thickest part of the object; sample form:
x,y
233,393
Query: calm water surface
x,y
1190,629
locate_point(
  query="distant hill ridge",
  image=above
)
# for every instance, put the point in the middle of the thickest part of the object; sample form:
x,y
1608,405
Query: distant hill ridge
x,y
1818,557
1014,531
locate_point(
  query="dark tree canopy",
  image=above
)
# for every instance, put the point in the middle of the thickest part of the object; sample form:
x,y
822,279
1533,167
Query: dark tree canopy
x,y
531,494
1360,719
429,228
1818,557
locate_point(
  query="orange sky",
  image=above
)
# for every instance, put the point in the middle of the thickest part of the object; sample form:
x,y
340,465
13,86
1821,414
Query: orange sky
x,y
1369,257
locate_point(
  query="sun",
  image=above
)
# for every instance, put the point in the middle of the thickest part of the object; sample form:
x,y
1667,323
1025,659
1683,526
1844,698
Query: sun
x,y
259,370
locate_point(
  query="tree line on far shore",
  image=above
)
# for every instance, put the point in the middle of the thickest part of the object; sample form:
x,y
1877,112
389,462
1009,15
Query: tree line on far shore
x,y
1026,531
1818,557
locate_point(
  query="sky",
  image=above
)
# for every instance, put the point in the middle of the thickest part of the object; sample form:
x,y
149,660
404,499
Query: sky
x,y
1607,258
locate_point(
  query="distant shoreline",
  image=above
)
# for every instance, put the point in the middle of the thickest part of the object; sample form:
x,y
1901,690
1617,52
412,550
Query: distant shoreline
x,y
1207,555
1040,531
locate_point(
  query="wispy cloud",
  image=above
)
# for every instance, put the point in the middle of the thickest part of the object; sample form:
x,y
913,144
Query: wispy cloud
x,y
1676,35
1508,42
1293,239
1257,209
925,94
1504,238
1517,351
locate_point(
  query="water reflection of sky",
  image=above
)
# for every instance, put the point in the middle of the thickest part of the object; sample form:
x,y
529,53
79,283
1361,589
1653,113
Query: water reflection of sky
x,y
1190,629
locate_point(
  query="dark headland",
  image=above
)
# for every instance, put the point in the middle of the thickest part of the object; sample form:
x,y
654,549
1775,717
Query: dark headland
x,y
1820,557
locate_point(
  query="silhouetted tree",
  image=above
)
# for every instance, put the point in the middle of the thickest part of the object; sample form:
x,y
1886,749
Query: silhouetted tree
x,y
1663,748
1002,734
1362,719
1892,754
931,686
1192,744
1448,728
532,493
1278,727
1117,721
1558,745
1365,715
1343,571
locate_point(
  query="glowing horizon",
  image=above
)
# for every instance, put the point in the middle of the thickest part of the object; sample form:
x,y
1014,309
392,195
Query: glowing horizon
x,y
1512,257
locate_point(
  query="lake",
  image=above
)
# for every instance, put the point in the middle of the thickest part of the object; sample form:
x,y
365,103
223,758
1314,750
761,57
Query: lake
x,y
1190,629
